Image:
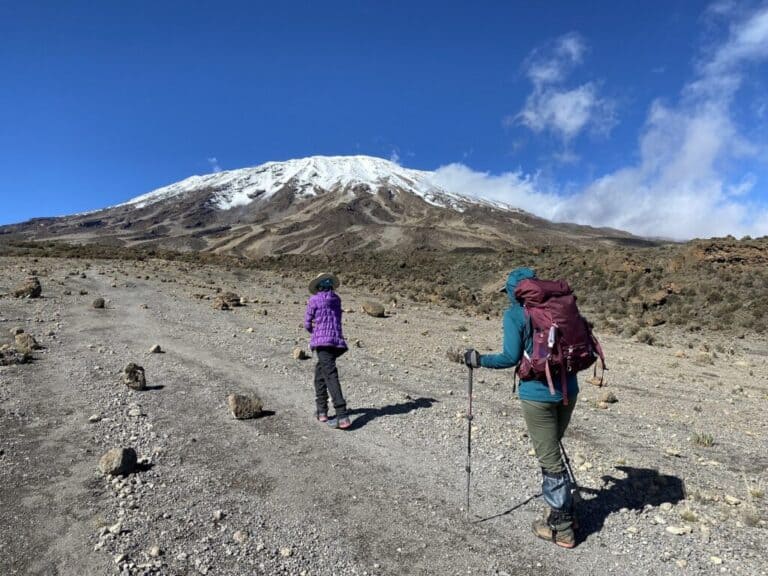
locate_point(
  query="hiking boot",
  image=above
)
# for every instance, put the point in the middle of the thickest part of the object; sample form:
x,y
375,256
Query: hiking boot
x,y
342,423
564,538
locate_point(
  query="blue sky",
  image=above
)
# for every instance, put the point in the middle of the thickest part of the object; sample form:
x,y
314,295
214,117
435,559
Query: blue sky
x,y
648,116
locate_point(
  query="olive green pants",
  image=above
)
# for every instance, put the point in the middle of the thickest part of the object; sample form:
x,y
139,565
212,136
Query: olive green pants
x,y
546,422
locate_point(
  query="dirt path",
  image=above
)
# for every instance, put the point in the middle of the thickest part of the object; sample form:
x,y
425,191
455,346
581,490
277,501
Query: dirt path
x,y
297,498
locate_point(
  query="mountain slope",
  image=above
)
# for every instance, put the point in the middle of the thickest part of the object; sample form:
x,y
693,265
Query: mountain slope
x,y
311,205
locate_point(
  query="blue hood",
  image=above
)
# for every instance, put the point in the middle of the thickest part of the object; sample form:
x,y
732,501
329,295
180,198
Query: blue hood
x,y
514,279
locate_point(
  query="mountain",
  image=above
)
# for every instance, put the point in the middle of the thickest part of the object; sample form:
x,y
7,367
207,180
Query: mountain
x,y
320,204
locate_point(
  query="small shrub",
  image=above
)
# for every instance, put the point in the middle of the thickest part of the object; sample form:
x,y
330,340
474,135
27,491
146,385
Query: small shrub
x,y
703,439
646,337
689,515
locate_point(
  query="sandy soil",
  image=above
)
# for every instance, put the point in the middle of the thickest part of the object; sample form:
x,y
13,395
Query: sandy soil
x,y
282,494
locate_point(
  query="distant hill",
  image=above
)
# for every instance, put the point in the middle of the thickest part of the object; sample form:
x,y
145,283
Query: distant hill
x,y
313,205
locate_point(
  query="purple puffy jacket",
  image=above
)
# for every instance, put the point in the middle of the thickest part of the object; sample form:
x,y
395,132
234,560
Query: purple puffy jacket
x,y
323,320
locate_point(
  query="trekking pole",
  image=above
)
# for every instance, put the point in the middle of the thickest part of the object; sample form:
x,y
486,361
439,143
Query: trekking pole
x,y
575,490
469,435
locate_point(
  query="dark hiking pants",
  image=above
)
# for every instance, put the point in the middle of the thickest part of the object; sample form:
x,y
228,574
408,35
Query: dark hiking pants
x,y
327,381
546,423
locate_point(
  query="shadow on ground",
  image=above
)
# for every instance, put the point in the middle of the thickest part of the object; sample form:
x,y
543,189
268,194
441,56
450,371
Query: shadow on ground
x,y
640,487
368,414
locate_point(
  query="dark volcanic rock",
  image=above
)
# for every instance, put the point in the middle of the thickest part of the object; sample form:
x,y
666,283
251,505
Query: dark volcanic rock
x,y
243,406
118,461
30,289
133,377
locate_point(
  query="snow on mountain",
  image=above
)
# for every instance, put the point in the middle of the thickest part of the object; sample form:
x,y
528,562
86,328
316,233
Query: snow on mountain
x,y
311,176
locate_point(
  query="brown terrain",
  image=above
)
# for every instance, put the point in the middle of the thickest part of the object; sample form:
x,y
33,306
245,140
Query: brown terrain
x,y
671,453
348,220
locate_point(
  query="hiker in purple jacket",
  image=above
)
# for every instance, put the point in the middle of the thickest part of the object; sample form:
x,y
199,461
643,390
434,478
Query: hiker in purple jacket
x,y
323,320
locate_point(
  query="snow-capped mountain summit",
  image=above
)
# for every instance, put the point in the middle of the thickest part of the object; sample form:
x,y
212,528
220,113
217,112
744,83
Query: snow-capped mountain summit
x,y
309,177
310,205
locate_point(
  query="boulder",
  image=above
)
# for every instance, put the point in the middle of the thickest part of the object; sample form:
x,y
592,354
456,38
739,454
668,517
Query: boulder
x,y
300,354
29,289
244,406
118,461
374,309
133,377
231,299
10,356
25,343
156,349
219,304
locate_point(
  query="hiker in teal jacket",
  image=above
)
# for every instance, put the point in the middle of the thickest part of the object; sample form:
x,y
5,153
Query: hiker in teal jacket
x,y
545,414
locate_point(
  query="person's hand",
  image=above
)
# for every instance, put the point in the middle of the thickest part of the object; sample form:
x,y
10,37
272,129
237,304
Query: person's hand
x,y
472,358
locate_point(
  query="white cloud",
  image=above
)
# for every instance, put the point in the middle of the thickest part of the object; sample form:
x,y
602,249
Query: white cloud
x,y
551,64
567,112
514,188
394,156
552,107
680,185
214,163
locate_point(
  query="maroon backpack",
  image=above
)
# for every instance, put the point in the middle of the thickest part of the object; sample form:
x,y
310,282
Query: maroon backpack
x,y
563,342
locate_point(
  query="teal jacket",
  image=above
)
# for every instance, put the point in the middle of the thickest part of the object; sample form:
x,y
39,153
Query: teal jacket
x,y
517,337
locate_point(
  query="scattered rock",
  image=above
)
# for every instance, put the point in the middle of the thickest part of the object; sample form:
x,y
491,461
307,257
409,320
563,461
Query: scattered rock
x,y
99,303
716,560
226,301
286,552
374,309
134,411
300,354
219,515
25,343
29,289
608,397
219,304
666,506
595,381
93,418
118,461
731,500
240,536
17,330
133,377
244,406
679,530
156,349
116,528
11,356
155,552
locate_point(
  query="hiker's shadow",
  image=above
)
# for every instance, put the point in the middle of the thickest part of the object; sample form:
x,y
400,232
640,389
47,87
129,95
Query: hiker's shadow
x,y
368,414
642,486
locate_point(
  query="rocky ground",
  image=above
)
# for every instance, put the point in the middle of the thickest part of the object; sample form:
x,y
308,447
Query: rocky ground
x,y
674,470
